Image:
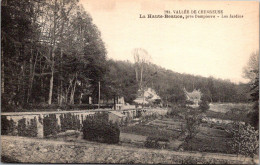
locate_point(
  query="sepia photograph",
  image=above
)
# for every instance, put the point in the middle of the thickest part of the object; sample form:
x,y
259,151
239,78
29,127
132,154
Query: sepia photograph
x,y
129,82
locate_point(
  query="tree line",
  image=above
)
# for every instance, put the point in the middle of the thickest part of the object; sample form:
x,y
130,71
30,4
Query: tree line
x,y
52,53
169,84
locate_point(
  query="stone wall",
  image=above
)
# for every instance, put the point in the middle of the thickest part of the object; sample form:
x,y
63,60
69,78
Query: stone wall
x,y
31,150
44,124
53,120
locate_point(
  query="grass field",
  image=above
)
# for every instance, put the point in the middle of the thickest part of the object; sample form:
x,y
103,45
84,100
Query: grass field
x,y
226,107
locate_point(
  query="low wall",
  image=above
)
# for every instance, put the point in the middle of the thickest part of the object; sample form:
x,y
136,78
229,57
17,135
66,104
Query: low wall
x,y
41,124
32,150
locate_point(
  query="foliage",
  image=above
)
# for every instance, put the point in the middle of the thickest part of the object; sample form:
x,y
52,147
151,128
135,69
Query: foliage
x,y
52,53
177,111
95,129
251,72
120,81
27,128
204,105
69,122
7,126
154,142
190,129
146,130
244,139
254,116
150,117
50,125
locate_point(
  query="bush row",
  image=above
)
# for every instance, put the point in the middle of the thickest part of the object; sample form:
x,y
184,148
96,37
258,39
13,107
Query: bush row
x,y
27,129
24,127
100,130
7,126
67,122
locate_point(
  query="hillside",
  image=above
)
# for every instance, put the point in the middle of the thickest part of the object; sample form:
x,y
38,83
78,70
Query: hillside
x,y
169,84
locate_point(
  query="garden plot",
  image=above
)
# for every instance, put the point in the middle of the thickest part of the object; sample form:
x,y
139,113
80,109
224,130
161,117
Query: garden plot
x,y
166,124
208,139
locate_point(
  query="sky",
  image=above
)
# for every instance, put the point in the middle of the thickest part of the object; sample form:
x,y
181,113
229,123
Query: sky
x,y
207,47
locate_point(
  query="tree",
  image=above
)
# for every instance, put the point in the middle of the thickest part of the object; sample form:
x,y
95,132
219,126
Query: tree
x,y
53,22
175,94
141,58
244,139
83,59
51,50
251,72
190,129
19,32
120,80
204,105
212,89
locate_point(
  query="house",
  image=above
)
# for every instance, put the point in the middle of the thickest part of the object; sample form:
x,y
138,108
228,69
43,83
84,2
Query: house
x,y
148,96
116,117
194,96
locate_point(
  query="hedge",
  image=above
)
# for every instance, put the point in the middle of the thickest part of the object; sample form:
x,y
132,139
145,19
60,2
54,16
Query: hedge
x,y
50,125
100,130
69,122
7,126
27,129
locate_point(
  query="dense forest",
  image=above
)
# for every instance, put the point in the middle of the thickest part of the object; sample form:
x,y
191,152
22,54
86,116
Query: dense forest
x,y
169,85
53,54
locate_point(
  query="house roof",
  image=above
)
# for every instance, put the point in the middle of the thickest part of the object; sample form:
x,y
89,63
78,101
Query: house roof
x,y
195,94
149,94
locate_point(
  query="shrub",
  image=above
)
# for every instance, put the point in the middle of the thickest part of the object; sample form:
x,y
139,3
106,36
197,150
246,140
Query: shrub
x,y
156,142
244,139
177,111
50,126
138,113
69,122
7,126
27,129
100,130
203,105
192,121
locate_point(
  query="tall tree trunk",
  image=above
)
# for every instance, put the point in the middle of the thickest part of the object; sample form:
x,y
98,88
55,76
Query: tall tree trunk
x,y
52,55
51,83
61,93
141,77
114,102
81,93
73,90
32,74
2,72
136,72
23,84
80,99
60,88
